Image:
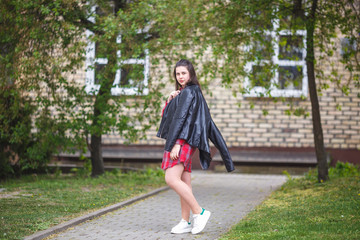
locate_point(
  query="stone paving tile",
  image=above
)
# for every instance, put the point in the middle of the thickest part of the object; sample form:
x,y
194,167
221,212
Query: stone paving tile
x,y
229,197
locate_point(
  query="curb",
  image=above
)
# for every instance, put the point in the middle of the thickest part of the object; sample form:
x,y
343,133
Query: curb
x,y
63,226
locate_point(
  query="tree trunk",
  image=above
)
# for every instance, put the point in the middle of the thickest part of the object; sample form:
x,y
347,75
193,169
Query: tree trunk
x,y
101,101
100,107
97,162
315,109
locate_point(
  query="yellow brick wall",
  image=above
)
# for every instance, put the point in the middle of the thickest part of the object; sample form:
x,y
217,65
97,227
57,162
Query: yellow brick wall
x,y
242,126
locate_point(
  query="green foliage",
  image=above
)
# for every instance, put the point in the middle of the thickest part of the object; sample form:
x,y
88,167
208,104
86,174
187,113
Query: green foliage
x,y
287,174
25,150
31,35
41,45
85,170
22,150
341,169
344,170
236,33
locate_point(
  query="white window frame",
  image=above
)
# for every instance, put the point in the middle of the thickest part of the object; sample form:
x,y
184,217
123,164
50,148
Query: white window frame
x,y
91,60
274,91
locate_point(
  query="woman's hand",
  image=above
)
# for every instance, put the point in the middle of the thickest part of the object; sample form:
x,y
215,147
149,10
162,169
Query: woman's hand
x,y
173,95
174,154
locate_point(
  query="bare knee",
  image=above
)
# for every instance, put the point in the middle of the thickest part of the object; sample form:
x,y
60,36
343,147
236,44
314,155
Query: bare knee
x,y
173,175
171,180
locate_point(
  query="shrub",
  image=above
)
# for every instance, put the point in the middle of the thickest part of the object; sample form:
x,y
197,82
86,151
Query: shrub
x,y
15,129
344,170
341,169
26,144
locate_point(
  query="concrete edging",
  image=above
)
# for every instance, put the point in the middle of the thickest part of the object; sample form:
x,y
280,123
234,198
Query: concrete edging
x,y
63,226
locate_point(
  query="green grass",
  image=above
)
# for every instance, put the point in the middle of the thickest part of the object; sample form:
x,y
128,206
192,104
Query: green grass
x,y
37,202
305,209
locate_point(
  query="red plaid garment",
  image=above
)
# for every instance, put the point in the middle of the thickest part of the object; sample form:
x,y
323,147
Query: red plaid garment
x,y
185,156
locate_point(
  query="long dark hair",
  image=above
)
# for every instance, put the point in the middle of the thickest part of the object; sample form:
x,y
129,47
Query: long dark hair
x,y
190,68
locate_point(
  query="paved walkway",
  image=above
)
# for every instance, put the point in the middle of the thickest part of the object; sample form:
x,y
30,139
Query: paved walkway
x,y
228,196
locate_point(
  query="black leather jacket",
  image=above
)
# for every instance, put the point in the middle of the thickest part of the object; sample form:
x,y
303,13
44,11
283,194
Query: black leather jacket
x,y
187,117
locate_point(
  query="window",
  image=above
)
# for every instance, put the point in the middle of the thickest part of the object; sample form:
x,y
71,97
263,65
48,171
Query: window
x,y
130,79
347,46
7,71
289,77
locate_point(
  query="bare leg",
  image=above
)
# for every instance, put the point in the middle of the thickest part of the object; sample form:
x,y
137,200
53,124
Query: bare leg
x,y
173,177
185,208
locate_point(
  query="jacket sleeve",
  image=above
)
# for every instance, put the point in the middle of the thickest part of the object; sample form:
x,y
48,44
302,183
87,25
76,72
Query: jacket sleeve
x,y
219,142
185,100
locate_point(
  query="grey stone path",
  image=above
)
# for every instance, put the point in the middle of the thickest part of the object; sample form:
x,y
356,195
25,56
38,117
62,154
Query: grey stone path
x,y
228,196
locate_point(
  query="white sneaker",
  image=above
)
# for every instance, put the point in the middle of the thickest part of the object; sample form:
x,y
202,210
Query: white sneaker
x,y
182,227
200,221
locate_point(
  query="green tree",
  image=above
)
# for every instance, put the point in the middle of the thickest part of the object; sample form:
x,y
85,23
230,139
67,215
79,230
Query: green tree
x,y
31,73
42,43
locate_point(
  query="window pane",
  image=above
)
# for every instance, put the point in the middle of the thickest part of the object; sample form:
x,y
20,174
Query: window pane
x,y
261,20
99,11
292,15
292,22
134,46
263,48
132,75
348,46
105,9
290,77
100,50
99,71
291,48
260,77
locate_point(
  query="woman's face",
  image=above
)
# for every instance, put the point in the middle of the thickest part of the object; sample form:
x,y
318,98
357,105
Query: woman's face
x,y
182,75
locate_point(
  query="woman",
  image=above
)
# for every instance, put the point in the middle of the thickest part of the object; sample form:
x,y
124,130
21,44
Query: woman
x,y
186,125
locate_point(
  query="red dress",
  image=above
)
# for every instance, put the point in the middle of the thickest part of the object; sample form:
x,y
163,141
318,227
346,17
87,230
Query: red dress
x,y
185,156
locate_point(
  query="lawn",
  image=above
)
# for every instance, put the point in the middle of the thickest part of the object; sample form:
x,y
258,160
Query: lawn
x,y
37,202
306,209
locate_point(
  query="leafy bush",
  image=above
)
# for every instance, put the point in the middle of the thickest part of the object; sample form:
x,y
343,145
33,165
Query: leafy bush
x,y
344,170
84,171
15,129
26,144
341,169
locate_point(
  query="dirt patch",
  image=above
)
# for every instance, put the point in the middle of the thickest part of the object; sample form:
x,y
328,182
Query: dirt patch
x,y
86,189
16,194
10,195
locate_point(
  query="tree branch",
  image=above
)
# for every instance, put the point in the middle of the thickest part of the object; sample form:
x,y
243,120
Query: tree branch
x,y
78,17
